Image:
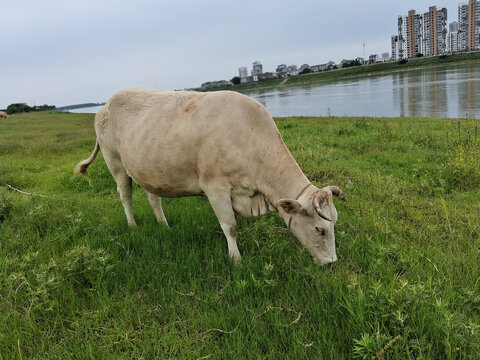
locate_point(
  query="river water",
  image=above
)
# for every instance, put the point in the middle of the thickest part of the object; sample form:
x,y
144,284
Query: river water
x,y
93,109
451,91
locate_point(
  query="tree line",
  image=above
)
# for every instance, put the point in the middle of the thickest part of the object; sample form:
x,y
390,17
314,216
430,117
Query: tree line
x,y
22,108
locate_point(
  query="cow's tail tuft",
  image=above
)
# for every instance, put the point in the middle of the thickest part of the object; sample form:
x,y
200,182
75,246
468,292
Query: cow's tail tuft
x,y
82,166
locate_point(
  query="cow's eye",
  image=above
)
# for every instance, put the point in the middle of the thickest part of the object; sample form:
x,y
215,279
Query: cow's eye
x,y
320,230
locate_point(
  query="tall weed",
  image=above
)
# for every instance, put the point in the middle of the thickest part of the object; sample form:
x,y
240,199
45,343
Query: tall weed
x,y
462,167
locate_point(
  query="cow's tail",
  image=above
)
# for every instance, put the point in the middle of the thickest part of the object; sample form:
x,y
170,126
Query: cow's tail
x,y
82,166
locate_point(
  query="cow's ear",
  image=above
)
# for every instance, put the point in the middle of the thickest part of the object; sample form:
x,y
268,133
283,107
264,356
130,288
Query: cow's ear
x,y
290,206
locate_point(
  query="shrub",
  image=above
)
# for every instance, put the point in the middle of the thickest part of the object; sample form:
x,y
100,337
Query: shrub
x,y
462,167
18,108
236,80
86,267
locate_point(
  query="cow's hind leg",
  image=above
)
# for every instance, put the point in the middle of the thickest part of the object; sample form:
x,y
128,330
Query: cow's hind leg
x,y
124,188
222,206
156,202
124,184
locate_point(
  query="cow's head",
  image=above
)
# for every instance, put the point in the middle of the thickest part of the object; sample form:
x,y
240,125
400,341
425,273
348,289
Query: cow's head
x,y
311,218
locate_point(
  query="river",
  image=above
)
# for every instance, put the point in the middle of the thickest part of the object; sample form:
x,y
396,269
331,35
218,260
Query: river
x,y
451,91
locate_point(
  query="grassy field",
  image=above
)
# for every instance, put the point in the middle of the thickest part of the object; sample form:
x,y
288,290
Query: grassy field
x,y
359,71
77,283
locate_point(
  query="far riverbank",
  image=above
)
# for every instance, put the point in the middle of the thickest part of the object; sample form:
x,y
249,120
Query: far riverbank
x,y
357,72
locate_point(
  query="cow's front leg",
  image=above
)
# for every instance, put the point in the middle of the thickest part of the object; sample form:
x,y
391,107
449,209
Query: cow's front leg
x,y
222,206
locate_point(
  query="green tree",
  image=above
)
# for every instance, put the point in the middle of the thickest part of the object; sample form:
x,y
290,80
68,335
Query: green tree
x,y
18,108
23,107
235,80
347,64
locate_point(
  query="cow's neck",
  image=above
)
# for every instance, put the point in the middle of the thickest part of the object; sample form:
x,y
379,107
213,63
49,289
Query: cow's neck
x,y
282,177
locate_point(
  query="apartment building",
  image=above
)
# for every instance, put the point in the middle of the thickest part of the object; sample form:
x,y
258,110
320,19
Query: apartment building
x,y
281,71
420,33
439,30
257,68
322,67
462,26
434,31
303,67
473,25
414,33
395,48
292,70
453,26
429,23
452,41
243,74
469,25
403,36
452,37
373,59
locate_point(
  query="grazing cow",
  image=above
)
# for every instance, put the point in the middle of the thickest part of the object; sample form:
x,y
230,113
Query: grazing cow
x,y
223,145
3,114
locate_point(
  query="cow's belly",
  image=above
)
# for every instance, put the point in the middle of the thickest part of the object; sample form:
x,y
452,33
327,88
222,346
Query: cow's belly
x,y
167,188
165,181
162,175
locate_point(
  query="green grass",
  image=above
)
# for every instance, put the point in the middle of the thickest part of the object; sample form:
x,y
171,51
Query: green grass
x,y
358,72
76,282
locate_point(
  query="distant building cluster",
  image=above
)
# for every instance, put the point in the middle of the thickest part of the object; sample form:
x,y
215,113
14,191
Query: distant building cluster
x,y
419,34
426,33
423,33
282,71
210,84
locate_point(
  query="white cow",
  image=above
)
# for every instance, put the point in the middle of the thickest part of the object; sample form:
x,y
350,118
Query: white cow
x,y
222,145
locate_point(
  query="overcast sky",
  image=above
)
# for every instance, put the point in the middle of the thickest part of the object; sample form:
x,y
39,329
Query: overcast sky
x,y
62,52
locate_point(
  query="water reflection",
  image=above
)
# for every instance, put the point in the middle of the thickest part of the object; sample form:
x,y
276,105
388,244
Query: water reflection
x,y
442,92
471,89
426,94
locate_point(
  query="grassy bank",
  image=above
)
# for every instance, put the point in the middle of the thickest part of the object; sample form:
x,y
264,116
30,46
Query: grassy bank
x,y
356,72
76,282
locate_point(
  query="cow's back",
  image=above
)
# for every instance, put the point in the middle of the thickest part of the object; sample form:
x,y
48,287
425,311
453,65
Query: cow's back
x,y
170,141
